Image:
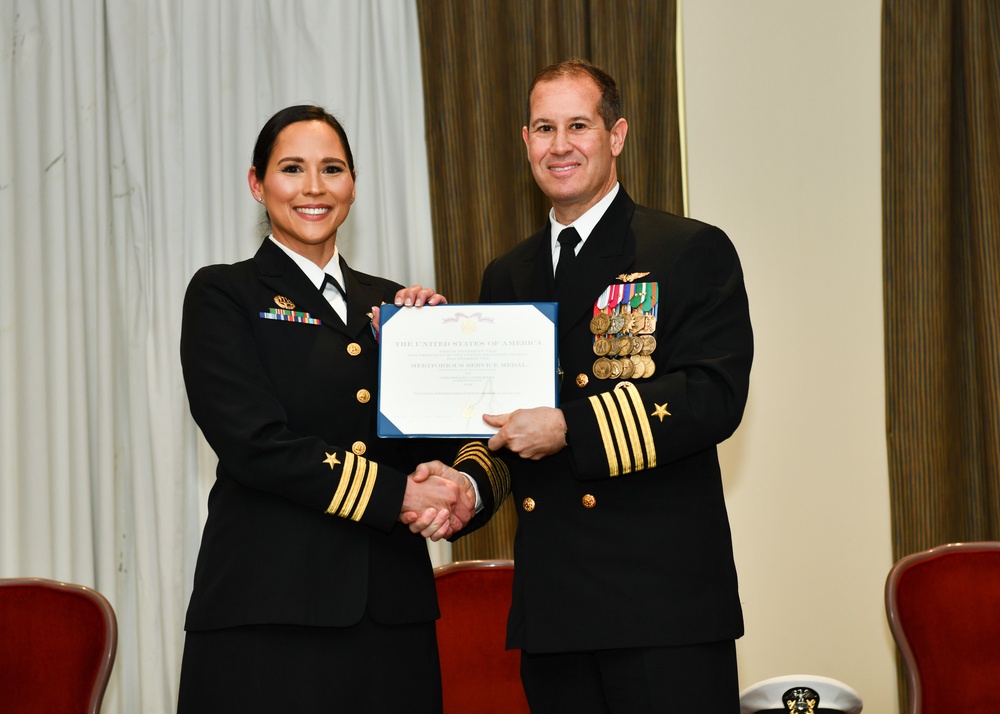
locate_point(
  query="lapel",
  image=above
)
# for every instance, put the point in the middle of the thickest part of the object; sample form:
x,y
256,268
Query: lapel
x,y
608,251
362,294
531,278
281,275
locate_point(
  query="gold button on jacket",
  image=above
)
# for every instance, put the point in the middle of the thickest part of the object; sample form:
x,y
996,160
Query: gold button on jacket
x,y
528,504
364,396
354,349
358,448
588,501
582,380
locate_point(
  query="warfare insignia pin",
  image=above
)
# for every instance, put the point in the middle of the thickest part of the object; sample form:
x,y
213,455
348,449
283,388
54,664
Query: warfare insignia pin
x,y
631,277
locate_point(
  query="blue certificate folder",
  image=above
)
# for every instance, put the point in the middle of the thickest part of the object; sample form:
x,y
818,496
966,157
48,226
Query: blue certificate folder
x,y
442,367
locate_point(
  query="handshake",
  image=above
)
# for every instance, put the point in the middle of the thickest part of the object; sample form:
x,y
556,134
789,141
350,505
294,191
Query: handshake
x,y
439,501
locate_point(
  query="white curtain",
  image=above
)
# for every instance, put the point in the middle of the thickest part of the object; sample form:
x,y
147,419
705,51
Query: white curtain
x,y
126,128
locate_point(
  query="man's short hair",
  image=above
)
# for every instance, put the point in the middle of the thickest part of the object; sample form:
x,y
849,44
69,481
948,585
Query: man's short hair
x,y
610,105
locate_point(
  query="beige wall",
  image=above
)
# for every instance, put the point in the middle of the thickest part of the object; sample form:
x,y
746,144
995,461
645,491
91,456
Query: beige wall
x,y
783,141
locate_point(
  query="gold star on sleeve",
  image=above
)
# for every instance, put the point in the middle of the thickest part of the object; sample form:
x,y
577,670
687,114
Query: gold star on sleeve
x,y
354,487
331,459
660,411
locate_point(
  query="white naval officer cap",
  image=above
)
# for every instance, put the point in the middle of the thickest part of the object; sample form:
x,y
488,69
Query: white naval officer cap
x,y
790,694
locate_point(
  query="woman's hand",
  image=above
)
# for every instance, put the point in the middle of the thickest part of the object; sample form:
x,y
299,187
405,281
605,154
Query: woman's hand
x,y
413,296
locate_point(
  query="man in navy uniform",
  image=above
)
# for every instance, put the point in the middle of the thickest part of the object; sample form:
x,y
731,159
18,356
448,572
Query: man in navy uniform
x,y
625,591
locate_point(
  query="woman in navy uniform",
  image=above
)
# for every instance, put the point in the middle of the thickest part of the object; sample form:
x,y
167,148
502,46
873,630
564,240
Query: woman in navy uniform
x,y
309,594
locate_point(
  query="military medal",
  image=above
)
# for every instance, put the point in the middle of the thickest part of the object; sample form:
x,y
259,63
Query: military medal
x,y
623,324
602,345
600,323
602,368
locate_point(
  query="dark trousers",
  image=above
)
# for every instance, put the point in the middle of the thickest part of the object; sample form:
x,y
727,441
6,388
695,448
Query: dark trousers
x,y
664,680
381,669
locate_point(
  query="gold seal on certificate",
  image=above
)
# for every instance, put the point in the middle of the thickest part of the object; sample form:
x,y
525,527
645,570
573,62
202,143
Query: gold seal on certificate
x,y
442,367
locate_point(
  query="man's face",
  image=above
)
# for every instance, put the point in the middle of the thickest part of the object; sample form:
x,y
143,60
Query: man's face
x,y
572,154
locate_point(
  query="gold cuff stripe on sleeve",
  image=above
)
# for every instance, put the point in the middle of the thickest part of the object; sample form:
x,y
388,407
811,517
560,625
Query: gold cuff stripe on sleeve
x,y
495,469
602,426
619,431
476,451
367,493
625,408
488,468
647,432
358,477
346,469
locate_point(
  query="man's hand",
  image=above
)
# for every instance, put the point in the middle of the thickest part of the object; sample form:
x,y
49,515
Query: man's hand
x,y
438,502
413,296
529,433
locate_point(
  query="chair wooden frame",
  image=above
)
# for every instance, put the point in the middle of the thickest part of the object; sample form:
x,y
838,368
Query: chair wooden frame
x,y
467,564
107,615
896,626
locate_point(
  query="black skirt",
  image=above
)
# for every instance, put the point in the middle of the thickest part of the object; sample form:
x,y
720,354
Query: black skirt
x,y
286,668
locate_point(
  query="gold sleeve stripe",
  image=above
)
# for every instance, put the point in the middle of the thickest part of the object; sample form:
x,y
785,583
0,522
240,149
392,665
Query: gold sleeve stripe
x,y
630,427
647,432
345,476
602,425
495,468
356,480
616,425
367,493
496,471
488,468
474,450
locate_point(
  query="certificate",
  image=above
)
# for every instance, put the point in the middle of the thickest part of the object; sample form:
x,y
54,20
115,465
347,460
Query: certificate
x,y
442,367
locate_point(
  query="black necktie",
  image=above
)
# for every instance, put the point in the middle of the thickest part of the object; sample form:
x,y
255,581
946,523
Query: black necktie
x,y
568,239
338,307
330,280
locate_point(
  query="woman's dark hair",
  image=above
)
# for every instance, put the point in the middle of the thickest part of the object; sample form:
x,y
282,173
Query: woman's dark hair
x,y
291,115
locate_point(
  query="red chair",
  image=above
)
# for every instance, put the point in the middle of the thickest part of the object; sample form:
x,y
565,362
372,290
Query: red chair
x,y
57,647
943,606
477,674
